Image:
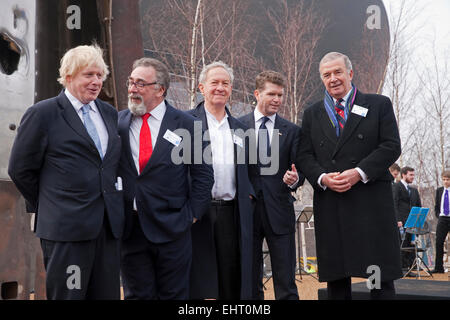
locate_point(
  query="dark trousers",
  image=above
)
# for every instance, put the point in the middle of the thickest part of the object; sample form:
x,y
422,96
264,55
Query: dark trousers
x,y
407,256
226,238
282,258
155,271
442,229
342,290
83,270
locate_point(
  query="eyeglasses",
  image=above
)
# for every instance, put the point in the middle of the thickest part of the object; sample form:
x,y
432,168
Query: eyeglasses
x,y
139,84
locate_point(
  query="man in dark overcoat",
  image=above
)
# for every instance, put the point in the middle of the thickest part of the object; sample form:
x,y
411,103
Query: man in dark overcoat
x,y
349,141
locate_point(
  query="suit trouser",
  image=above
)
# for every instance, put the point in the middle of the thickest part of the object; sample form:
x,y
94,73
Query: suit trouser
x,y
226,238
155,271
282,257
342,290
442,229
83,270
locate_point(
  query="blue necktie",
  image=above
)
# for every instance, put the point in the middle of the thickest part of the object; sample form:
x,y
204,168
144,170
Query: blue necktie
x,y
263,135
90,127
446,203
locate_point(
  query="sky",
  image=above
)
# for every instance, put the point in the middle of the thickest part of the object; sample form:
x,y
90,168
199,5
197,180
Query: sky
x,y
433,21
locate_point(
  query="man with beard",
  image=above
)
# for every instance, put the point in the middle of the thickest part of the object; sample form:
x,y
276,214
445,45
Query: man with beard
x,y
406,197
163,196
64,161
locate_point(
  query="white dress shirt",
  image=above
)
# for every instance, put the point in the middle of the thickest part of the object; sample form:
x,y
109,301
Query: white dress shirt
x,y
269,124
222,148
154,123
405,184
95,116
442,202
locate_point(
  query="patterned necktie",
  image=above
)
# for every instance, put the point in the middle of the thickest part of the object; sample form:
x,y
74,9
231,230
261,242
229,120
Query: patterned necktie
x,y
145,143
90,127
446,203
263,137
340,114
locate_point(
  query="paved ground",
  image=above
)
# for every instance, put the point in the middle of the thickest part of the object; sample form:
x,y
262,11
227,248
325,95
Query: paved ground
x,y
308,286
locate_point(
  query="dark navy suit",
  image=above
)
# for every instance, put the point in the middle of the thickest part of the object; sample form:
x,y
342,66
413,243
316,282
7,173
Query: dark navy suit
x,y
204,275
275,216
166,206
57,168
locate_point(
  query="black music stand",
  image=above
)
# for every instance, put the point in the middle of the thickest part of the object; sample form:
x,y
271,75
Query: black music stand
x,y
304,216
415,225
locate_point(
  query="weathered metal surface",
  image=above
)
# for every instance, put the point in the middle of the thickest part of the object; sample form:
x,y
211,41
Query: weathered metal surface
x,y
17,19
28,73
18,245
126,44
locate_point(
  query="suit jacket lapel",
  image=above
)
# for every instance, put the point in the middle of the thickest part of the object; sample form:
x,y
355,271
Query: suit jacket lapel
x,y
73,120
327,125
124,131
234,126
109,124
281,131
352,122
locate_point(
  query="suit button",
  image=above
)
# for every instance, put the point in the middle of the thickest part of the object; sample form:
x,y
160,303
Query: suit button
x,y
360,136
333,161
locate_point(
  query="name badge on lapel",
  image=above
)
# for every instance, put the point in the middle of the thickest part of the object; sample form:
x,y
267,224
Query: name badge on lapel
x,y
172,138
238,140
360,111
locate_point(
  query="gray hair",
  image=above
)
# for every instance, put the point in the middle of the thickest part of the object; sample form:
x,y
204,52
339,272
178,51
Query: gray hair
x,y
162,72
215,64
331,56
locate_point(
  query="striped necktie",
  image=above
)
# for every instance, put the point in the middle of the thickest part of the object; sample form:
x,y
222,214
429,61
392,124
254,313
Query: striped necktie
x,y
90,127
340,114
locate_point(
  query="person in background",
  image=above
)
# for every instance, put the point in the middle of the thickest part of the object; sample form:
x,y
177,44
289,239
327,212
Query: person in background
x,y
395,171
442,211
406,197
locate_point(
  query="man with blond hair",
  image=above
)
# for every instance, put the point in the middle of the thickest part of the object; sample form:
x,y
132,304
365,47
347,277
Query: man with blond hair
x,y
64,162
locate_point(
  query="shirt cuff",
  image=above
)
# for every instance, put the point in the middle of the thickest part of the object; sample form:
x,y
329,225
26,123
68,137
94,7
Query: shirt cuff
x,y
319,182
292,186
364,177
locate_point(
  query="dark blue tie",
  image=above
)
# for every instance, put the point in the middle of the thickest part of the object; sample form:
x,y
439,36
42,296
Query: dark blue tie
x,y
263,138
